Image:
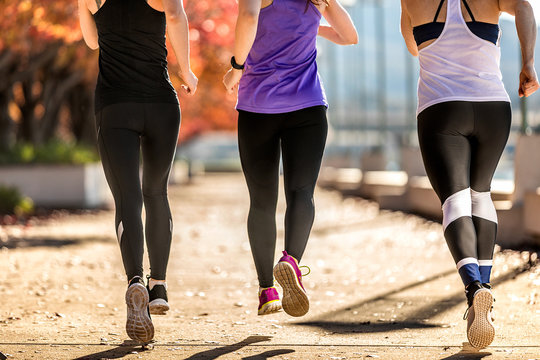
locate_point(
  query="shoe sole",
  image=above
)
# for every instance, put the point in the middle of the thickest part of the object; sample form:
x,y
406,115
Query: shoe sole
x,y
270,307
295,300
482,332
158,307
139,325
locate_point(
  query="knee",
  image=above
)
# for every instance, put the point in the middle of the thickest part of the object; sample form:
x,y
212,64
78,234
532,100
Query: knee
x,y
149,195
263,203
129,199
154,190
456,206
482,206
302,196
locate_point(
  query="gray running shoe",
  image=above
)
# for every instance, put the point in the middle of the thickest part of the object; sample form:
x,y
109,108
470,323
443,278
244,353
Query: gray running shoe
x,y
139,325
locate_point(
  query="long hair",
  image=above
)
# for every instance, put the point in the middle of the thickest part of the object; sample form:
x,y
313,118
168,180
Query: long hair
x,y
318,2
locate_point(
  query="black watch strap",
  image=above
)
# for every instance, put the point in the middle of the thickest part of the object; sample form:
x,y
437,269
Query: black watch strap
x,y
235,65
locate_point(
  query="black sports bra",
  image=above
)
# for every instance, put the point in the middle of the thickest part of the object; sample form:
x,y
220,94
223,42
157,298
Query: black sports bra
x,y
433,30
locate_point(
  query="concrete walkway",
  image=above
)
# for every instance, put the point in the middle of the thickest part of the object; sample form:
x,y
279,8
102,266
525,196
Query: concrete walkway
x,y
382,285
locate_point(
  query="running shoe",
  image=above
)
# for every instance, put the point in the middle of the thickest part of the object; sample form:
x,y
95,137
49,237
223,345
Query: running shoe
x,y
492,312
480,329
157,290
269,302
287,273
139,325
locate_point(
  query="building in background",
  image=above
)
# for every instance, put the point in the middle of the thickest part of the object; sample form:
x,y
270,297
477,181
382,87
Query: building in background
x,y
371,88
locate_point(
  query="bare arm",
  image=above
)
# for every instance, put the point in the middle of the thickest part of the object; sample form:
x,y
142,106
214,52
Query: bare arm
x,y
178,31
341,30
407,30
246,30
526,29
88,26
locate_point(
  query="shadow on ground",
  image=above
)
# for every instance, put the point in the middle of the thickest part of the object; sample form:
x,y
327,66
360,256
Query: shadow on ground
x,y
364,317
217,352
381,222
116,353
467,352
268,354
18,243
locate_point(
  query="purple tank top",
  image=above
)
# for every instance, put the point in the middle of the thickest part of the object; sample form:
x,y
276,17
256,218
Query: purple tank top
x,y
281,72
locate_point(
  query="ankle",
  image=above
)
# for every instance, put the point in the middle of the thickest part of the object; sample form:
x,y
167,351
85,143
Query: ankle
x,y
135,279
470,291
287,254
153,282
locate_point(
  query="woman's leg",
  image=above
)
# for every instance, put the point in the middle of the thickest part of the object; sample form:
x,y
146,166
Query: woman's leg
x,y
258,142
492,127
303,139
119,128
443,131
159,142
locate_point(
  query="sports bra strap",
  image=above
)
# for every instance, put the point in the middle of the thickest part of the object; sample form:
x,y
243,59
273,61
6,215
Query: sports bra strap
x,y
469,10
438,11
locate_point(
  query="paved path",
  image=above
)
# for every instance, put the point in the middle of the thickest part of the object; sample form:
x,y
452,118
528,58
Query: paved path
x,y
383,285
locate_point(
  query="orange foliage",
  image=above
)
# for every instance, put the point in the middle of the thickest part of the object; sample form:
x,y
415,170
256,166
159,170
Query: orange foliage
x,y
211,25
29,27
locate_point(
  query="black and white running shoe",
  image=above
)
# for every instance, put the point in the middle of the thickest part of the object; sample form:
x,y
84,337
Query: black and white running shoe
x,y
157,289
139,325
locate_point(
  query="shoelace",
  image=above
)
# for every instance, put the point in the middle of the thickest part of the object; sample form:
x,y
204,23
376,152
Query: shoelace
x,y
466,314
307,267
491,311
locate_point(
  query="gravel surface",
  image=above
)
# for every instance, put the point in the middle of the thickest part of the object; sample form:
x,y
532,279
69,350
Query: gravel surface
x,y
382,285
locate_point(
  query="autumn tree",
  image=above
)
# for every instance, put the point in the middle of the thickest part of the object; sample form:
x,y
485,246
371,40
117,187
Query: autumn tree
x,y
43,68
211,39
48,75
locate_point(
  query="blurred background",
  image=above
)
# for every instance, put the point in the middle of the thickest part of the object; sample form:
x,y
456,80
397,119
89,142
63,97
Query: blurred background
x,y
371,87
383,281
48,77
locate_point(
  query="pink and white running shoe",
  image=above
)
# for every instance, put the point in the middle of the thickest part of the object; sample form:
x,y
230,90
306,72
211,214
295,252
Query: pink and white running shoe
x,y
269,302
287,273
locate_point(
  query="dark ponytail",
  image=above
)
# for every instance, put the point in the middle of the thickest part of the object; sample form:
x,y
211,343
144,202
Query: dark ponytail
x,y
318,2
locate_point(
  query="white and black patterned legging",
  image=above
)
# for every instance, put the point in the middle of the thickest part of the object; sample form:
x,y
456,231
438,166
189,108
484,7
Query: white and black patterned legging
x,y
461,144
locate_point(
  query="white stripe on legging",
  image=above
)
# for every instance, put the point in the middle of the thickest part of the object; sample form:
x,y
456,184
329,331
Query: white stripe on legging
x,y
485,262
457,205
463,262
482,206
119,232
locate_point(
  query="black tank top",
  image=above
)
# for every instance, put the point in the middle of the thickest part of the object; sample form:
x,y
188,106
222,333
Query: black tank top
x,y
132,55
432,30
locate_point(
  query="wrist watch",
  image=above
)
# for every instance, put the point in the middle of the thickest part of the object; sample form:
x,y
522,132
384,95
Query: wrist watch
x,y
235,65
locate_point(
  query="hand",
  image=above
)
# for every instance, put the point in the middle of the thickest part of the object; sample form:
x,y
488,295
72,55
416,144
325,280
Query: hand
x,y
528,82
190,82
231,79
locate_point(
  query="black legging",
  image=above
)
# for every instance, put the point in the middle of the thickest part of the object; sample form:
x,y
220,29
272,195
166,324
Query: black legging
x,y
123,130
461,144
302,136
